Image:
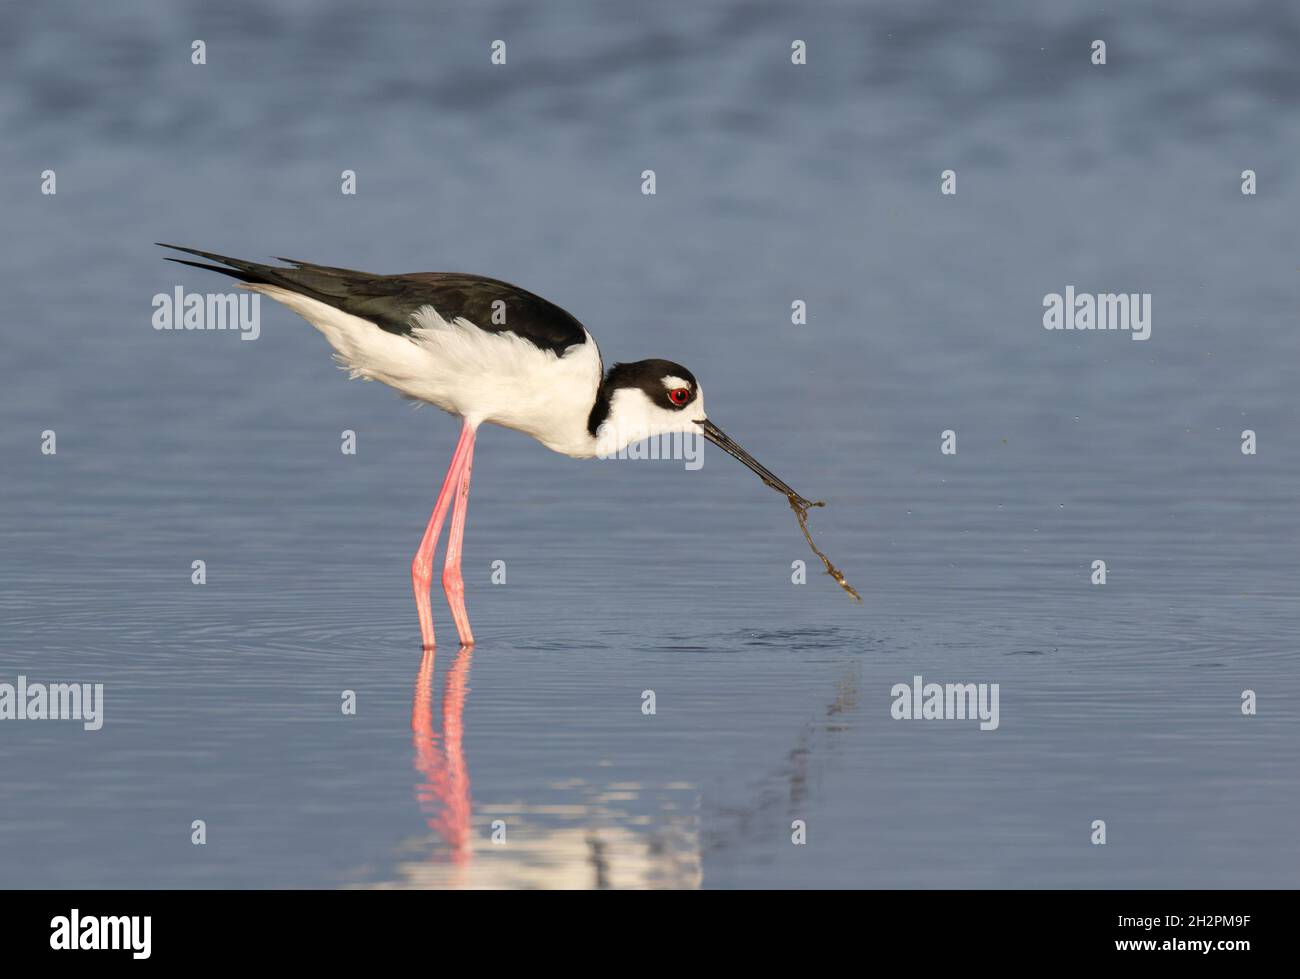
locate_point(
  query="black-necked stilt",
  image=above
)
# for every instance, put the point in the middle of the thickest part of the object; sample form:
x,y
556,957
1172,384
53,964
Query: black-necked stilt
x,y
488,351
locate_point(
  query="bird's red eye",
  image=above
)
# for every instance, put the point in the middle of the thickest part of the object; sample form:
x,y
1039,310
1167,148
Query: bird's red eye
x,y
679,396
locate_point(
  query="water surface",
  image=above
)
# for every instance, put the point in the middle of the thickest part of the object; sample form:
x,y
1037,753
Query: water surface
x,y
775,183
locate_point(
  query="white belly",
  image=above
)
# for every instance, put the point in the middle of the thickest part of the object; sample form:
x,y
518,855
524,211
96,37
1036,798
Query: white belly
x,y
481,376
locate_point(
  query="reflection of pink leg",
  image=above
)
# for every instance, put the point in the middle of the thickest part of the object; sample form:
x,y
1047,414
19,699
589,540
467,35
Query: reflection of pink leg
x,y
422,563
442,785
452,583
459,807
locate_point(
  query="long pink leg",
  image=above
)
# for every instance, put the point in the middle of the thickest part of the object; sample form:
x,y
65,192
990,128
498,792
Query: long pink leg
x,y
422,563
452,583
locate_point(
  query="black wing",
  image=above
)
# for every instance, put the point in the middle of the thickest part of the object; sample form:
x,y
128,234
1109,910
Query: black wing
x,y
389,301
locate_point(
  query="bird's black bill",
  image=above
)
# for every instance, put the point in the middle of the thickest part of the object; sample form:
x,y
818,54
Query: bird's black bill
x,y
720,438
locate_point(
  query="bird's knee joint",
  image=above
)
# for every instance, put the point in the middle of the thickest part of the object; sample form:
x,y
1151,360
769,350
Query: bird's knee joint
x,y
452,581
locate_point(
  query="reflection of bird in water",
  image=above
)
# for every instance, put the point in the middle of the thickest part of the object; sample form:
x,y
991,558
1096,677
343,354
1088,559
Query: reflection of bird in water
x,y
443,794
600,840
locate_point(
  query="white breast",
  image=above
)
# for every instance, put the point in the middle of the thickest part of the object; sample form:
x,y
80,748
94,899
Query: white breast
x,y
481,376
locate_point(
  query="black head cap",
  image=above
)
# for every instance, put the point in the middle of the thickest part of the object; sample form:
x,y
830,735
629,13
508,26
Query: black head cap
x,y
649,376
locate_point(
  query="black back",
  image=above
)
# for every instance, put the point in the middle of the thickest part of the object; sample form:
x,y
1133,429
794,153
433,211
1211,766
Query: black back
x,y
389,301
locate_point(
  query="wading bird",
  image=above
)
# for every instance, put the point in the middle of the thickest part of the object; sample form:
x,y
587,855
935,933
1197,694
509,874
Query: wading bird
x,y
486,351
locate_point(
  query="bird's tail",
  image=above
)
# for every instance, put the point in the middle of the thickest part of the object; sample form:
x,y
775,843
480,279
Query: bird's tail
x,y
317,281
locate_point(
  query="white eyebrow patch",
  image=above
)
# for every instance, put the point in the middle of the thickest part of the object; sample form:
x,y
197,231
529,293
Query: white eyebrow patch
x,y
671,382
